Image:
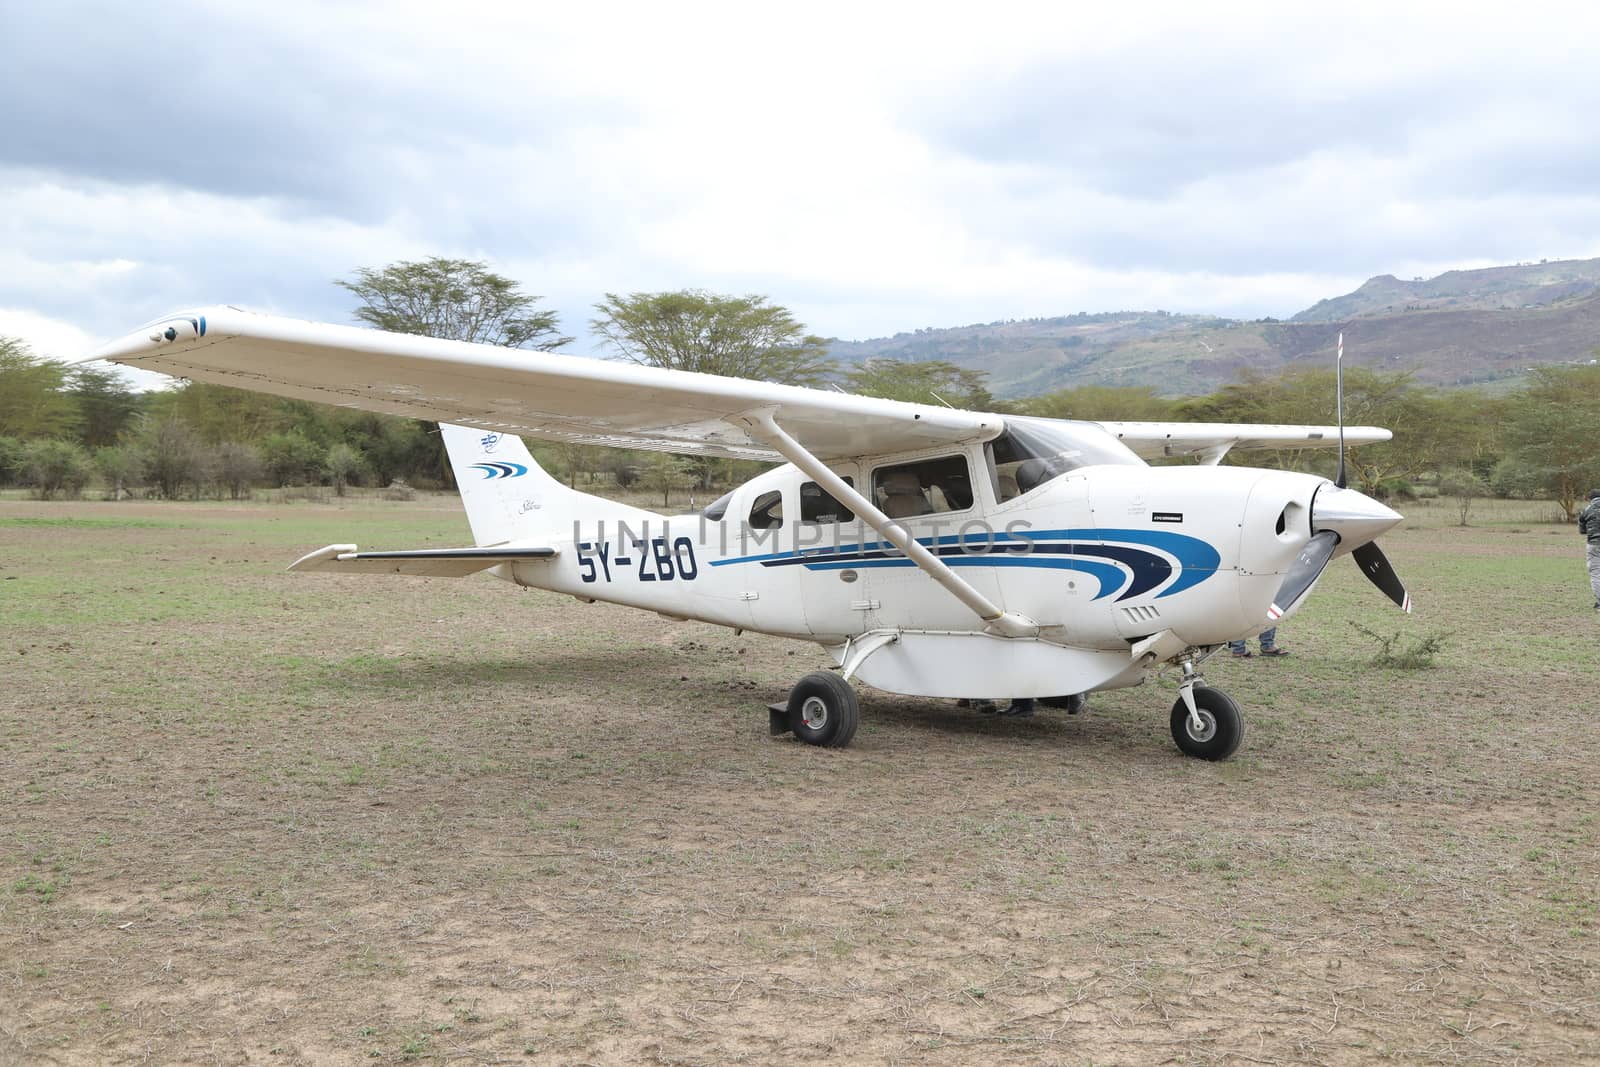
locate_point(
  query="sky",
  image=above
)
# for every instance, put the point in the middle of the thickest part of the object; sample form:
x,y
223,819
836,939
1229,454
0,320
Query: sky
x,y
875,168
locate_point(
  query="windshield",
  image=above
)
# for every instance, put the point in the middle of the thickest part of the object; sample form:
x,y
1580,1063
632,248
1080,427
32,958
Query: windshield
x,y
717,508
1033,451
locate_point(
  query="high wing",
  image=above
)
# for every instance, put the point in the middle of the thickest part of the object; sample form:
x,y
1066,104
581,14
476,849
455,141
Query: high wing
x,y
1212,440
538,394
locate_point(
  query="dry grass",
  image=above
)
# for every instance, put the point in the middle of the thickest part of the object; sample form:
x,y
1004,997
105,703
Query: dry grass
x,y
251,815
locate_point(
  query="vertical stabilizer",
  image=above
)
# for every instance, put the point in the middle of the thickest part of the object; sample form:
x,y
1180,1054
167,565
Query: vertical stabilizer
x,y
511,499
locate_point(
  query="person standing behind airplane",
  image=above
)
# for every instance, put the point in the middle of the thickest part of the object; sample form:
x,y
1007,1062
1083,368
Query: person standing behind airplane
x,y
1589,526
1269,645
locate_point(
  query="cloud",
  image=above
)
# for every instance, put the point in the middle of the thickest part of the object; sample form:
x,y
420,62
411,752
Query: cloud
x,y
875,171
47,337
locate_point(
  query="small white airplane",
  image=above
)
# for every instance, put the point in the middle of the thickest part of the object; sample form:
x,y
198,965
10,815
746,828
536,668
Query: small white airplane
x,y
933,552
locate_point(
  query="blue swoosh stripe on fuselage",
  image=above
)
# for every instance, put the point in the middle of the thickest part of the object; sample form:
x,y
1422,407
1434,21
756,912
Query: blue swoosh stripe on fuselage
x,y
1148,570
1110,577
1197,559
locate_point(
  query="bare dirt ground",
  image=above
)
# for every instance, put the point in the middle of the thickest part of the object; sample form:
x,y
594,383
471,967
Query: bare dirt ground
x,y
249,816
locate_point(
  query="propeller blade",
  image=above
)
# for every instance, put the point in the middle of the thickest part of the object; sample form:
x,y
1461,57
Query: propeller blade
x,y
1375,565
1338,377
1303,572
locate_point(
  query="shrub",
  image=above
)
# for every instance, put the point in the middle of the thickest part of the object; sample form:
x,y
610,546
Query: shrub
x,y
1398,653
238,467
54,467
174,455
343,465
291,458
121,466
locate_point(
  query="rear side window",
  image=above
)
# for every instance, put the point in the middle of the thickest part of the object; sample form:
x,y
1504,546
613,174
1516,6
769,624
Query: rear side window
x,y
926,487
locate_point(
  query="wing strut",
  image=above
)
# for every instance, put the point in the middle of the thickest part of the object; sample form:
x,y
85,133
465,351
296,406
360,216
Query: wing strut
x,y
1002,623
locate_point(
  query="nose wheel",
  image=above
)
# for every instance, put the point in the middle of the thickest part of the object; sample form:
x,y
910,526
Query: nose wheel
x,y
1211,728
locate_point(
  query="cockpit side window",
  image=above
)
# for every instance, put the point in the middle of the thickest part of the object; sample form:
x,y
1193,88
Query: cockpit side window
x,y
1033,451
818,505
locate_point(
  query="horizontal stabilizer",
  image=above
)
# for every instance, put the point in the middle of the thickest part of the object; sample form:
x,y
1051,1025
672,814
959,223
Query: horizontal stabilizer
x,y
426,562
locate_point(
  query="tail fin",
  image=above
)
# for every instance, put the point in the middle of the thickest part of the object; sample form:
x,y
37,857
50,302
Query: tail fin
x,y
509,497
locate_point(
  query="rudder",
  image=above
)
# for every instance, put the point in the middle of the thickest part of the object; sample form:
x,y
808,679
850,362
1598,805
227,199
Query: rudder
x,y
507,495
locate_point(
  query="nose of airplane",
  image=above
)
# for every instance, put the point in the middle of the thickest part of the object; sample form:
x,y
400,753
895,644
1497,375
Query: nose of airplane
x,y
1355,517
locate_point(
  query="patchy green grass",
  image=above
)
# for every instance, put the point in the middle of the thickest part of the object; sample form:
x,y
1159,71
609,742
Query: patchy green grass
x,y
256,815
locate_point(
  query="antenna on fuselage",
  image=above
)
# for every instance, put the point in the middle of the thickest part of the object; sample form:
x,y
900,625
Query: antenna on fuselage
x,y
1338,379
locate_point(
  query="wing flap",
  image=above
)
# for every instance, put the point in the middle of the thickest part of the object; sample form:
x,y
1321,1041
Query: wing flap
x,y
422,562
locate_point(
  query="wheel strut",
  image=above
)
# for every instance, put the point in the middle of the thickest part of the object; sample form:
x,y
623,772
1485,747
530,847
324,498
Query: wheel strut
x,y
1190,679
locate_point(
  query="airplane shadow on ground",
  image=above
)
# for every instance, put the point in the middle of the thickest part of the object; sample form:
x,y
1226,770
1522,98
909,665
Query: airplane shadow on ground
x,y
931,715
647,670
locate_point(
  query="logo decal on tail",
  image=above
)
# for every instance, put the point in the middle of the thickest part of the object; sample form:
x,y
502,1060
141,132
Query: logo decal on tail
x,y
489,441
501,469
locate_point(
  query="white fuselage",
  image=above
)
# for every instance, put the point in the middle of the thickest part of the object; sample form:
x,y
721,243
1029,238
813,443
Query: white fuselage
x,y
1098,558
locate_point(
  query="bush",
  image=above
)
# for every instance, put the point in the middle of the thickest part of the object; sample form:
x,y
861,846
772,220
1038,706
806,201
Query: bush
x,y
121,466
54,467
292,458
1462,484
1399,654
238,467
174,455
1394,489
343,465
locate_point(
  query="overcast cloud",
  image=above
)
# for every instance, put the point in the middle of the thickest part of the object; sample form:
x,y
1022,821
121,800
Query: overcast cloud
x,y
875,168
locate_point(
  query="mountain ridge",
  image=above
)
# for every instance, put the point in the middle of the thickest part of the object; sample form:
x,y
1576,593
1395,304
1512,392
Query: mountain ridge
x,y
1482,327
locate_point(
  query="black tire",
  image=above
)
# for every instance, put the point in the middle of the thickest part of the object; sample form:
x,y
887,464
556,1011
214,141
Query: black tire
x,y
823,710
1222,715
1072,705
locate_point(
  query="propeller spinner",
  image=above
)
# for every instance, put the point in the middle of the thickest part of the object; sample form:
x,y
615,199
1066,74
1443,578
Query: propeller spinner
x,y
1342,517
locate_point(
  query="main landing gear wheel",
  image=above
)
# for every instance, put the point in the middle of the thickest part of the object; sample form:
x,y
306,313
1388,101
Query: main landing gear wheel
x,y
823,710
1221,725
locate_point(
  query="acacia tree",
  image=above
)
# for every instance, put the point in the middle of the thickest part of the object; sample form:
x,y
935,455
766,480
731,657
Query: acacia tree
x,y
458,299
1549,436
922,383
106,405
1132,402
666,472
33,398
693,330
1431,429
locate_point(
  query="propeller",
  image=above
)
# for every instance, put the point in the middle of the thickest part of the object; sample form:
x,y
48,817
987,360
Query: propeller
x,y
1352,515
1303,572
1375,565
1341,514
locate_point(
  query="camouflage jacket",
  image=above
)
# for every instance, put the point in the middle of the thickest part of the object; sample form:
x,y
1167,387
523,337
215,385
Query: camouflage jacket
x,y
1589,522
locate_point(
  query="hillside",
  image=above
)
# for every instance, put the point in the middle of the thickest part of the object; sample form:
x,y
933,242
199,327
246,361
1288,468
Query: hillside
x,y
1529,285
1476,327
